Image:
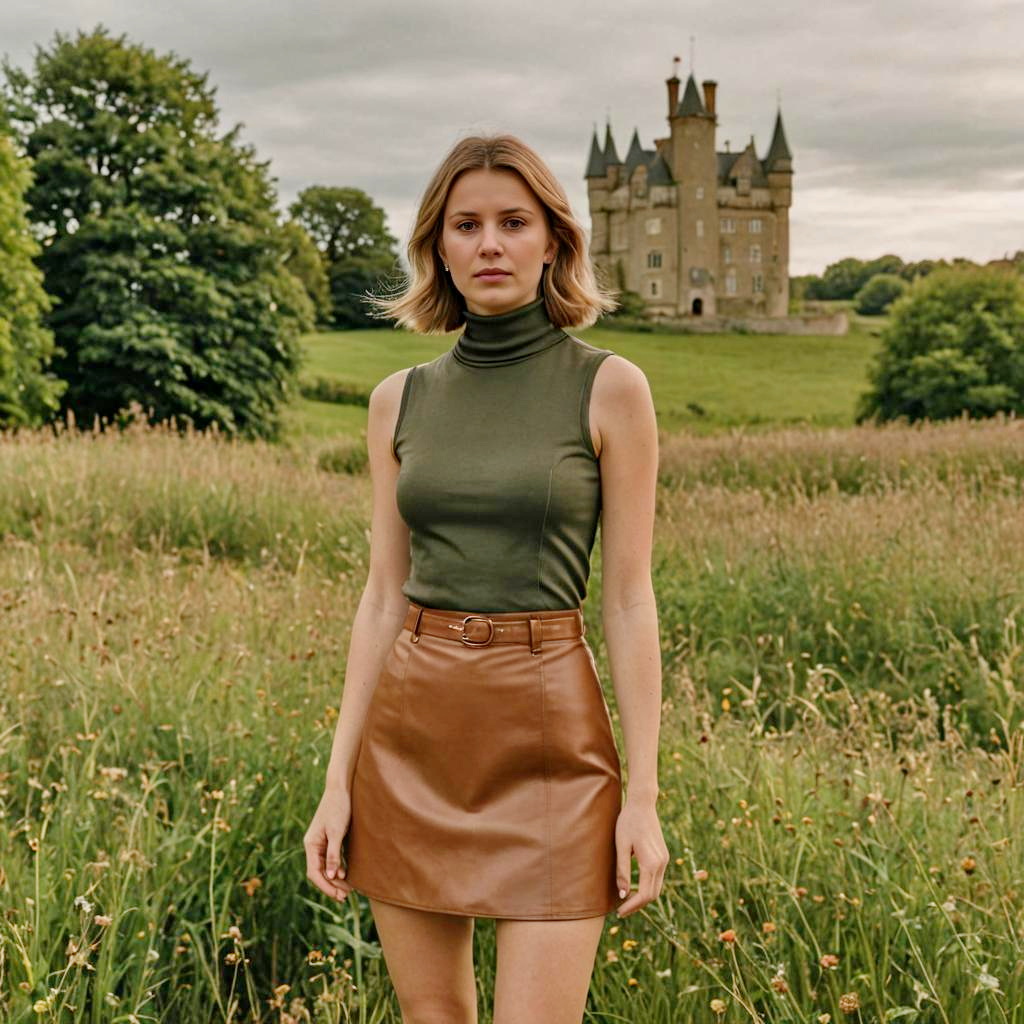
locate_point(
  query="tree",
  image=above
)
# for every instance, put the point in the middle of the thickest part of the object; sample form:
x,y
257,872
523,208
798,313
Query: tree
x,y
302,258
879,293
358,250
160,240
954,343
29,393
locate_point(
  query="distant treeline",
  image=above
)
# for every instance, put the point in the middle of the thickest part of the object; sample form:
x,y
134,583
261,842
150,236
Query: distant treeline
x,y
845,278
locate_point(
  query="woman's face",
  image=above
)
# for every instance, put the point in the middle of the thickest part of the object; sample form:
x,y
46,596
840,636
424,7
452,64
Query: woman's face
x,y
493,221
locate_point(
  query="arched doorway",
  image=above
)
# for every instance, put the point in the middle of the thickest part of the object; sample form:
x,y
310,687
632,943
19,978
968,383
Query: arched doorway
x,y
698,307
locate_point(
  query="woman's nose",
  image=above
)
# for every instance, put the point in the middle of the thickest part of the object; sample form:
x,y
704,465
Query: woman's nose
x,y
489,241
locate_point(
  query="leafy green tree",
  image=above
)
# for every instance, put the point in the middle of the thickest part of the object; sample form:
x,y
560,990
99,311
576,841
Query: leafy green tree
x,y
358,250
954,343
302,258
29,393
160,240
879,293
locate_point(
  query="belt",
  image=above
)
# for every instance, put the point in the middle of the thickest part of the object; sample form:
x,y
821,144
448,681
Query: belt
x,y
482,630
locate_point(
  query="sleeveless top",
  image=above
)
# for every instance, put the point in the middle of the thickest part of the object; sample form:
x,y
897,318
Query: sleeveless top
x,y
499,483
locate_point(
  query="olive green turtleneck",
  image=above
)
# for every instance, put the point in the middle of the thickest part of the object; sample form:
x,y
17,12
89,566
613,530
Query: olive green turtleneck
x,y
499,483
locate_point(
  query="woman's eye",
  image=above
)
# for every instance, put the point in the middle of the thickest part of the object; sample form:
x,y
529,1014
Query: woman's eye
x,y
458,226
516,220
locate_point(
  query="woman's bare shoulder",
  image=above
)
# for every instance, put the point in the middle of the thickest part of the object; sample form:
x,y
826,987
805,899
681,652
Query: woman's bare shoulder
x,y
620,389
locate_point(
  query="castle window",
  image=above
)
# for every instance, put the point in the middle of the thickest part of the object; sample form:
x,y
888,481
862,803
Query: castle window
x,y
730,282
653,225
700,191
755,254
755,225
700,229
728,226
654,258
758,283
655,288
727,254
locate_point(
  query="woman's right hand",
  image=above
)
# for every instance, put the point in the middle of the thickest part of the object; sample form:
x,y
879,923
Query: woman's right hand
x,y
322,843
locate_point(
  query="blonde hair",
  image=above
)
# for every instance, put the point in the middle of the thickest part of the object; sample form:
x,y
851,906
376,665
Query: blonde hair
x,y
427,302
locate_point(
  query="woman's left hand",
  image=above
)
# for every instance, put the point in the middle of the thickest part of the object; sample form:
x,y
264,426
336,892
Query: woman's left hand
x,y
638,832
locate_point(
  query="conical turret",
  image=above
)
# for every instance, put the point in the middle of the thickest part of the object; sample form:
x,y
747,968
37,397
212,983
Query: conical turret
x,y
595,162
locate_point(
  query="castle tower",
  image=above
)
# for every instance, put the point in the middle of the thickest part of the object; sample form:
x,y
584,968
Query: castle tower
x,y
597,194
695,166
779,167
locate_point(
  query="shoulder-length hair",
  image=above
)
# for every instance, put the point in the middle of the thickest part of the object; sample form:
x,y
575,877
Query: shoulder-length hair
x,y
429,303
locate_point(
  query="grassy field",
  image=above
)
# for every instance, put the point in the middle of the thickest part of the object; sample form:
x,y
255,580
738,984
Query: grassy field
x,y
842,755
703,383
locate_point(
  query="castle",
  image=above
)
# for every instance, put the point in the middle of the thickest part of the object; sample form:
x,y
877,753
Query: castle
x,y
695,232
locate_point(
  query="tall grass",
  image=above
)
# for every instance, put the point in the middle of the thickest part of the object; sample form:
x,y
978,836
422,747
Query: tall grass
x,y
841,757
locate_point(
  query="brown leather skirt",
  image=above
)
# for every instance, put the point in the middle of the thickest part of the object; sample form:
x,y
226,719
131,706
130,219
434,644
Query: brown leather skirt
x,y
487,781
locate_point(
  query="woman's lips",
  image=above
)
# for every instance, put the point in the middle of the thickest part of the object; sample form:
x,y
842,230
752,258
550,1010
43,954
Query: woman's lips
x,y
492,277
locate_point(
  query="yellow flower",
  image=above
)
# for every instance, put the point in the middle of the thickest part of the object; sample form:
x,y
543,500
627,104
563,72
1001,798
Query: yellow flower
x,y
968,864
768,927
718,1007
629,943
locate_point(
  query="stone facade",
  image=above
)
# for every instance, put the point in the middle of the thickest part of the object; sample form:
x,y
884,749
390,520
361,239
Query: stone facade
x,y
694,231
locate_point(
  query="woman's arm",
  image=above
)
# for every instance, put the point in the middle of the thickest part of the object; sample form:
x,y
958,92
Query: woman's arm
x,y
377,622
624,424
382,606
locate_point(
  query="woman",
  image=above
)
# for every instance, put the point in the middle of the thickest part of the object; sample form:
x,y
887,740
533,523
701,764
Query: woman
x,y
474,771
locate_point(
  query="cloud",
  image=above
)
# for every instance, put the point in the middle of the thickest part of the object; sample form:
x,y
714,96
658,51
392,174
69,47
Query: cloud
x,y
903,118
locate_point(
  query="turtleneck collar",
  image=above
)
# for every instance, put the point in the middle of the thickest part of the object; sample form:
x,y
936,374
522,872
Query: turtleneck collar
x,y
506,337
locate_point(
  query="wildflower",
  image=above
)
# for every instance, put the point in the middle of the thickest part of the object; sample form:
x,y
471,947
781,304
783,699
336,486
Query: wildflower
x,y
612,957
83,904
779,984
700,875
632,981
829,960
718,1007
768,927
729,935
849,1002
968,864
250,885
824,1018
629,943
102,920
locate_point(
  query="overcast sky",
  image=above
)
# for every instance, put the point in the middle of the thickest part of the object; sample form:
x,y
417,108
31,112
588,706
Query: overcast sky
x,y
906,118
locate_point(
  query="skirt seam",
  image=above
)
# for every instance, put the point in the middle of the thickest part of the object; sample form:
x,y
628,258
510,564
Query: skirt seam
x,y
547,772
403,705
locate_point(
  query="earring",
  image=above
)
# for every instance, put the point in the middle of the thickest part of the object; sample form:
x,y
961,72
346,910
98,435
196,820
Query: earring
x,y
446,266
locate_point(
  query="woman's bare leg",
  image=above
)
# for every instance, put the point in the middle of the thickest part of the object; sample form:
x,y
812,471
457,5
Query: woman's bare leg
x,y
429,957
544,969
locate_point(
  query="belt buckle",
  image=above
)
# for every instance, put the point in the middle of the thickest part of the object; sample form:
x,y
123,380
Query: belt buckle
x,y
477,643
